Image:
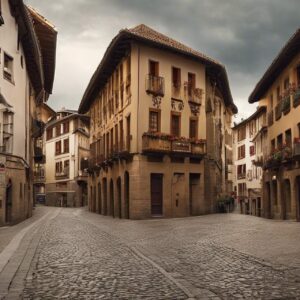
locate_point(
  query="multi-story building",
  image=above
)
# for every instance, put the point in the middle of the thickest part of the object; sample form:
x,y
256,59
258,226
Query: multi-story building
x,y
44,114
279,91
248,142
27,63
153,103
67,153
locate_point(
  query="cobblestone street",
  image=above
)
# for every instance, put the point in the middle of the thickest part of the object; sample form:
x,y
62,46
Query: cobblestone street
x,y
79,255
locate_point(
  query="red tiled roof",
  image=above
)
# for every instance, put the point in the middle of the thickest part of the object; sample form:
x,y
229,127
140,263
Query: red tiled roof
x,y
145,34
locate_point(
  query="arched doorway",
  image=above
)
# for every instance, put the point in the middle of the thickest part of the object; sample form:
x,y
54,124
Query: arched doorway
x,y
267,201
111,197
274,196
104,186
119,192
8,202
91,199
99,199
94,200
287,198
126,195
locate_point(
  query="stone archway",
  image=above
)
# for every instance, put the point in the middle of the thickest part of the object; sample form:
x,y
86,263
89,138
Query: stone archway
x,y
99,199
105,200
119,195
126,195
111,198
267,201
287,201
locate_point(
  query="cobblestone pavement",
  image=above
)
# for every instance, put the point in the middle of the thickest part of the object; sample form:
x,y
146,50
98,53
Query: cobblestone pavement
x,y
87,256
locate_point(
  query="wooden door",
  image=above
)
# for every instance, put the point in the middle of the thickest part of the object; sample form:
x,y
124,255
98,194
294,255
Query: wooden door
x,y
156,194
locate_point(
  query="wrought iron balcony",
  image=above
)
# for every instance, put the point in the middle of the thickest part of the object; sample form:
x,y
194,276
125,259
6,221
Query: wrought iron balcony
x,y
241,175
278,111
286,105
39,175
155,85
297,147
270,118
161,143
296,97
63,175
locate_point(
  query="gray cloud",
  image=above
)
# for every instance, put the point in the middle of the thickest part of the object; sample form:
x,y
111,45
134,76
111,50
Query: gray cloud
x,y
245,35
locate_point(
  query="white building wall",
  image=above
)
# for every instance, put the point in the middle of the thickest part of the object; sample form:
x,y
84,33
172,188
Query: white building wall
x,y
16,92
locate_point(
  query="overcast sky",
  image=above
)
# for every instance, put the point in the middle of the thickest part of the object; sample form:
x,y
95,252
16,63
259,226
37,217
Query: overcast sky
x,y
245,35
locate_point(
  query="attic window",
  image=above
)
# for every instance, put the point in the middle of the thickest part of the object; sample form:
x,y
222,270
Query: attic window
x,y
8,67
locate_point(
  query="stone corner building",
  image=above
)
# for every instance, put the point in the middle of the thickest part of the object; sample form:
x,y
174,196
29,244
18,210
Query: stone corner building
x,y
27,65
279,91
160,132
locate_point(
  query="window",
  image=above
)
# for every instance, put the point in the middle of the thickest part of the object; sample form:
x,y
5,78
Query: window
x,y
193,128
278,93
286,83
279,141
191,83
252,150
49,133
66,146
271,100
176,77
58,148
241,133
66,127
121,135
153,68
128,133
175,124
66,167
8,67
58,167
241,152
154,121
57,130
241,171
288,138
273,145
116,138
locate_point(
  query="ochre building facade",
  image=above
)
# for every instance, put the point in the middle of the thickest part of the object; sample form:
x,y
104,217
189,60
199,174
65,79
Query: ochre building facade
x,y
148,132
279,91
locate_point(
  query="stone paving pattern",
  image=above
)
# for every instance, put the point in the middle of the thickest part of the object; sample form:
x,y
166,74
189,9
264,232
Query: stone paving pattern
x,y
87,256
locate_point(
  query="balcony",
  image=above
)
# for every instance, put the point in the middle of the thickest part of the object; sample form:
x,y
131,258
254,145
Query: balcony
x,y
279,157
297,147
241,176
62,175
161,143
156,143
194,95
258,161
38,154
39,175
177,91
270,118
296,97
286,105
278,111
155,85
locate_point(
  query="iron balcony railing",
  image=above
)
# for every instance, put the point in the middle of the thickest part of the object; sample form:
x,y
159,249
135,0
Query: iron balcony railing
x,y
155,85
